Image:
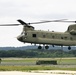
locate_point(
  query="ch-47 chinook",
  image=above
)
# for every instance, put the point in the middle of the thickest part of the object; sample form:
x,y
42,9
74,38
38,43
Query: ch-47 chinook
x,y
30,35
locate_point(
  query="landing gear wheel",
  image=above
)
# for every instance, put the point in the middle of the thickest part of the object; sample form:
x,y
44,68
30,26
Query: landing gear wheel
x,y
39,47
69,48
46,47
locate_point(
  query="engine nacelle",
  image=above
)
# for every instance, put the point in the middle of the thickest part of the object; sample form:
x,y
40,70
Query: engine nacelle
x,y
73,32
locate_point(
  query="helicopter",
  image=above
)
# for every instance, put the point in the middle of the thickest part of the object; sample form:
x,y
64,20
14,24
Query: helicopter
x,y
30,35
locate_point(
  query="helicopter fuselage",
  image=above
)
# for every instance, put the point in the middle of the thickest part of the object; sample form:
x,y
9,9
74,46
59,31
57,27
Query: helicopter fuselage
x,y
48,38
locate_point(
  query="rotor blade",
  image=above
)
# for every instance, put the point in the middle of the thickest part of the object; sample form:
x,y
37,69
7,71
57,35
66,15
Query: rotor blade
x,y
10,24
69,21
45,21
62,20
55,20
37,22
23,23
20,21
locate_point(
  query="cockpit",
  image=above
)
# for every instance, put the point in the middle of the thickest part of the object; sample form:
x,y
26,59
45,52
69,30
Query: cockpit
x,y
22,36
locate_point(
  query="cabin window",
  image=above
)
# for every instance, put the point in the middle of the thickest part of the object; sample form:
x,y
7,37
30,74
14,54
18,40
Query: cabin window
x,y
43,36
65,37
34,35
71,38
53,37
61,37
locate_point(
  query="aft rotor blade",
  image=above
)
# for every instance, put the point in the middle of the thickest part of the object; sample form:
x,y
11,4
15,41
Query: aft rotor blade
x,y
10,24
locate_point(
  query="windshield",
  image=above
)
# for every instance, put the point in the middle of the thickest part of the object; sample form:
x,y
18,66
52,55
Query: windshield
x,y
24,33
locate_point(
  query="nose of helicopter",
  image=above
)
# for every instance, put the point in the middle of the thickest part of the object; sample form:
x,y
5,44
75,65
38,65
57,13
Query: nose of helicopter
x,y
20,38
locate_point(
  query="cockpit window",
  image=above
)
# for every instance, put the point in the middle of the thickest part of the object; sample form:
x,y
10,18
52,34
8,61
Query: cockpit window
x,y
23,33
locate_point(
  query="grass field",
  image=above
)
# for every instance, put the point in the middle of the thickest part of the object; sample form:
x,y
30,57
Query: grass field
x,y
28,64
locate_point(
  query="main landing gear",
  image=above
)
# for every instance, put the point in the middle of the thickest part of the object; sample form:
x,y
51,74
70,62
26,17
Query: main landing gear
x,y
39,47
47,47
44,47
69,48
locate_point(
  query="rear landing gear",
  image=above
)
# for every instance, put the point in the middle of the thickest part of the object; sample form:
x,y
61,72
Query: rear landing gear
x,y
69,48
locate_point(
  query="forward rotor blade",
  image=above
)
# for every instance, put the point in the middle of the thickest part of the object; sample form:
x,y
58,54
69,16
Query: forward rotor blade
x,y
10,24
62,20
23,23
45,21
55,20
69,21
19,20
37,22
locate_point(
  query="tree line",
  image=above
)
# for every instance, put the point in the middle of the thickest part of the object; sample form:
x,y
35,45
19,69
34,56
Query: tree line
x,y
37,53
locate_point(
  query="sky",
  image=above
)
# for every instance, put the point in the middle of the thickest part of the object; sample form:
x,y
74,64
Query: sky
x,y
33,11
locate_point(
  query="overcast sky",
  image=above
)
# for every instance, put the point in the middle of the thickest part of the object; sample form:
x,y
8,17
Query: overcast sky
x,y
32,11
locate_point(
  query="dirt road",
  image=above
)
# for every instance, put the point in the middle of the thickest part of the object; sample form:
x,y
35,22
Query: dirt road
x,y
47,72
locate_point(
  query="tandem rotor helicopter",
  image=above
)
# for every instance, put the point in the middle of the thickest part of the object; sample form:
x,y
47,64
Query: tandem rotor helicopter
x,y
30,35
